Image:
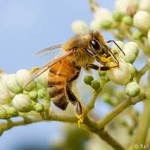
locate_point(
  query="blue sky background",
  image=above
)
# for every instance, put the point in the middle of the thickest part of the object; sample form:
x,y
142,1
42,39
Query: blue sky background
x,y
27,26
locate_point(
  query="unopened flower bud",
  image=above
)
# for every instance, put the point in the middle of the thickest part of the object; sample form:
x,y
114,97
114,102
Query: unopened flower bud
x,y
101,73
131,50
39,107
22,77
117,15
42,93
3,112
133,46
22,103
12,85
4,94
141,20
144,5
32,95
43,78
129,56
106,24
123,5
95,84
95,25
80,27
132,70
132,89
12,112
101,14
88,79
120,75
137,35
127,20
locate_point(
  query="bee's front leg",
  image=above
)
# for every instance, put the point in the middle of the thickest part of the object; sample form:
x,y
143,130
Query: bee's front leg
x,y
95,67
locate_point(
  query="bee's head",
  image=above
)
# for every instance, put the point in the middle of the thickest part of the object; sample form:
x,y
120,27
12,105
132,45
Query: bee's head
x,y
102,53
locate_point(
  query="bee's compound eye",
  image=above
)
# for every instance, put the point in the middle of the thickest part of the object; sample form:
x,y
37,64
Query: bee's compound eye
x,y
95,45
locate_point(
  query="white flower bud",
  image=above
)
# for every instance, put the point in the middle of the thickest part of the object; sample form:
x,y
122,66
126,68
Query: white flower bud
x,y
102,19
123,5
132,70
80,27
131,50
11,84
95,25
103,14
4,94
22,77
3,112
43,78
132,89
22,103
144,5
148,36
129,56
115,48
141,20
133,46
120,75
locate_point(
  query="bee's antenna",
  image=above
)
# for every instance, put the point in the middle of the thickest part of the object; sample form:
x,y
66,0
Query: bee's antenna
x,y
116,45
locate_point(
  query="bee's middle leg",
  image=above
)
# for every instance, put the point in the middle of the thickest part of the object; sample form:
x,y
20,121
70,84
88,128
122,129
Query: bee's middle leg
x,y
95,67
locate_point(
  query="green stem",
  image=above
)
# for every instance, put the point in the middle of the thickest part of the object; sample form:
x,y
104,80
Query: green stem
x,y
46,107
122,106
142,72
110,140
63,118
7,126
117,110
144,124
103,134
91,103
116,35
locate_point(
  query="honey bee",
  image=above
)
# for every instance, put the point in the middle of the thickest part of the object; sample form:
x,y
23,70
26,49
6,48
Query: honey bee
x,y
79,52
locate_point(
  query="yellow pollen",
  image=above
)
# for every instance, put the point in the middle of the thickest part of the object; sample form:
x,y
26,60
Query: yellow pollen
x,y
103,59
34,69
80,120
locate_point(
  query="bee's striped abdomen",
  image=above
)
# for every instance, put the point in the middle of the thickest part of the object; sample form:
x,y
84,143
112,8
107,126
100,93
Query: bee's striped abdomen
x,y
58,76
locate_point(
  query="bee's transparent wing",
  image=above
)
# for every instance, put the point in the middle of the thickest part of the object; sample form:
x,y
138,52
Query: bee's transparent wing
x,y
50,53
49,49
47,66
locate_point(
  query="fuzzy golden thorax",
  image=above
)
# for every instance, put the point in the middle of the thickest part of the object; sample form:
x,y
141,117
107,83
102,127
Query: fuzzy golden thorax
x,y
82,43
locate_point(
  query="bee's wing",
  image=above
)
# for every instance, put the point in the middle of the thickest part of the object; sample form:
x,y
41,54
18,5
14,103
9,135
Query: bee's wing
x,y
49,49
47,66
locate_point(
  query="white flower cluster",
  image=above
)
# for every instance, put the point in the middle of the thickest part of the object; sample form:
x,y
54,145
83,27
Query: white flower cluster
x,y
16,98
131,20
125,72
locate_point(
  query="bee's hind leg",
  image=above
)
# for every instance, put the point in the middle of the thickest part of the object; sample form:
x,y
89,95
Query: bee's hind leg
x,y
74,100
